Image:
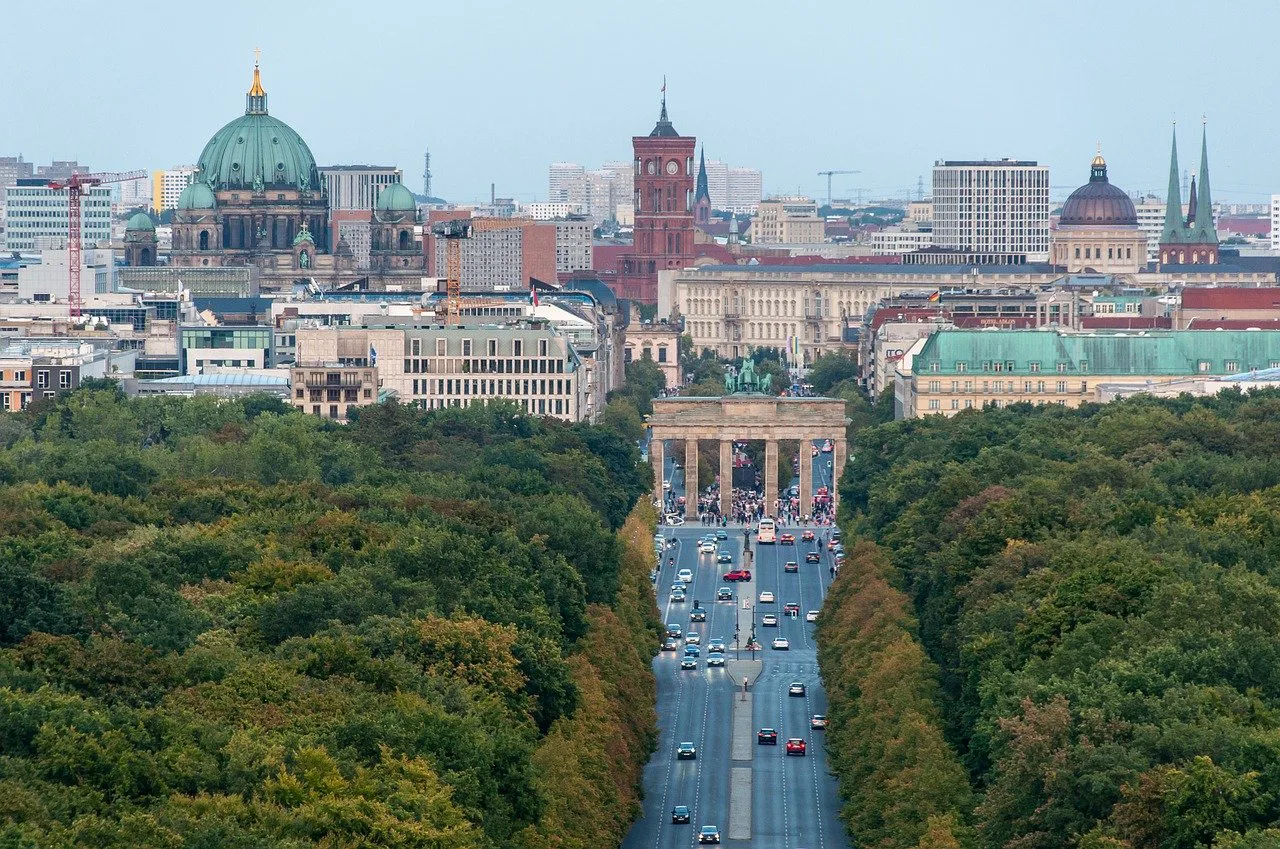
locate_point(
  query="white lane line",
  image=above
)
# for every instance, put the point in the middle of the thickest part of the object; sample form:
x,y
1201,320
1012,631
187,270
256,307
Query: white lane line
x,y
817,791
666,780
786,825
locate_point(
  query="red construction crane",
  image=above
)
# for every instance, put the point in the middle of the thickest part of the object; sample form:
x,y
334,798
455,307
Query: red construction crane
x,y
74,186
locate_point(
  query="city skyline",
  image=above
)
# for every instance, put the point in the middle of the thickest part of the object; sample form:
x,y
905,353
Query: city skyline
x,y
868,101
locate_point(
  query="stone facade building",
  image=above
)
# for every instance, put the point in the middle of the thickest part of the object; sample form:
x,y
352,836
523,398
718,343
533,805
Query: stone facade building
x,y
1098,229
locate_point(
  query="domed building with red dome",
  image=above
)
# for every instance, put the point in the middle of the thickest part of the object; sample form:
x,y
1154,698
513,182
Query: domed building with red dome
x,y
1098,228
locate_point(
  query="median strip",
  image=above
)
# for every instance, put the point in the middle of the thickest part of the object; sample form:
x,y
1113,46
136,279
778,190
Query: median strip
x,y
740,803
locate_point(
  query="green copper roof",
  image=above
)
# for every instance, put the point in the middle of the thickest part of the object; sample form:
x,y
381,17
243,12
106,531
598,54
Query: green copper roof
x,y
1202,227
139,221
257,152
394,197
702,191
197,195
1173,200
1040,352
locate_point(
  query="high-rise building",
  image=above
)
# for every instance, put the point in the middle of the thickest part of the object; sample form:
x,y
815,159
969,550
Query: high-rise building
x,y
32,210
994,211
12,169
168,186
567,183
1275,222
1193,239
504,259
663,197
357,186
734,189
61,169
573,244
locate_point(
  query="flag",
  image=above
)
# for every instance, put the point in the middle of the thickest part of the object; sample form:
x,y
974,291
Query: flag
x,y
373,356
935,297
533,294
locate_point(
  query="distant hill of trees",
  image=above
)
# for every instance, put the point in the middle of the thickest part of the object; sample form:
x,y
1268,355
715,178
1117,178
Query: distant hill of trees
x,y
227,624
1061,628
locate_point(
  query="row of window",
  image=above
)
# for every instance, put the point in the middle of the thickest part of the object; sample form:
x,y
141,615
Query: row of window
x,y
1203,366
935,404
454,365
934,387
517,347
502,388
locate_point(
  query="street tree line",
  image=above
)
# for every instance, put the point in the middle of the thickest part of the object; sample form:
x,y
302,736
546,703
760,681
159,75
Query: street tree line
x,y
224,623
1075,611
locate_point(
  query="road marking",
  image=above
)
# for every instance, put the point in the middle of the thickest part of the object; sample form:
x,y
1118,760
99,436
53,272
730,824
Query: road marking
x,y
786,826
817,791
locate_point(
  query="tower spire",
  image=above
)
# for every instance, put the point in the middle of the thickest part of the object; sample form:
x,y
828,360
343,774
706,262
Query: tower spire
x,y
702,190
1173,199
256,99
1203,223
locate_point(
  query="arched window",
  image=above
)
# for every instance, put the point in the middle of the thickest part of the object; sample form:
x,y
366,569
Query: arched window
x,y
404,240
204,240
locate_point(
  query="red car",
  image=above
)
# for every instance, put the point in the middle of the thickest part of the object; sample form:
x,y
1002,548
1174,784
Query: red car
x,y
807,536
738,575
787,539
791,566
831,545
791,608
767,737
795,746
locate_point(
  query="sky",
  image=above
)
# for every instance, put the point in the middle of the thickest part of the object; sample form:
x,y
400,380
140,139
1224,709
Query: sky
x,y
499,89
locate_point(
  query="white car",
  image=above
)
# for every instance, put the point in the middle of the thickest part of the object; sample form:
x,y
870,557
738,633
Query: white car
x,y
766,597
769,620
781,643
685,576
692,639
675,520
811,616
707,548
715,660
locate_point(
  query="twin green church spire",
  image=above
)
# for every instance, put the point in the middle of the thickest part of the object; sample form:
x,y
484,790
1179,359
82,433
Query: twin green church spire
x,y
1197,227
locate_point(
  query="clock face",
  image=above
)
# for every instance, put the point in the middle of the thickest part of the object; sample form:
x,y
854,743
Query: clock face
x,y
673,167
652,167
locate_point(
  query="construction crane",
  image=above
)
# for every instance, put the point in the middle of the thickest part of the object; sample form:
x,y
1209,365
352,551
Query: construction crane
x,y
75,185
828,175
453,232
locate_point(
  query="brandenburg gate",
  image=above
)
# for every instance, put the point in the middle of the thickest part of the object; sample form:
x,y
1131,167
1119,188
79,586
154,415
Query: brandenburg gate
x,y
743,417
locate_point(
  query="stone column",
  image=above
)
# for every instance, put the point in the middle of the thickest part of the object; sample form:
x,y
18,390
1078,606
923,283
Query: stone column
x,y
657,459
838,458
806,477
691,478
726,477
770,477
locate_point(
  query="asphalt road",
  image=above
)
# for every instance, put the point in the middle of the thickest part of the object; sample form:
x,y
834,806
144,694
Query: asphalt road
x,y
794,800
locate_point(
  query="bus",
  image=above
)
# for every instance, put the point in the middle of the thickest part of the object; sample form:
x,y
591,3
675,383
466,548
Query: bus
x,y
765,533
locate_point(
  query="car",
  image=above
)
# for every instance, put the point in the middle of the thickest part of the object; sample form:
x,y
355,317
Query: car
x,y
666,484
791,566
813,557
724,594
831,545
818,722
692,638
795,746
669,644
675,520
787,539
680,814
686,751
722,535
796,688
715,660
791,608
679,585
766,597
706,547
781,644
716,646
835,534
678,595
698,614
767,737
769,620
685,576
807,536
709,834
811,616
688,663
674,630
724,557
692,651
737,575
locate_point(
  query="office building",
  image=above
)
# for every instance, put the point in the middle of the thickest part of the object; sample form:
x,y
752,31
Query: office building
x,y
787,220
567,183
992,212
357,186
12,169
48,280
204,350
169,184
895,241
33,210
573,244
734,189
503,259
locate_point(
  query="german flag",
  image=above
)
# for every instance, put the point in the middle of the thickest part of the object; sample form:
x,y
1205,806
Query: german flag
x,y
935,297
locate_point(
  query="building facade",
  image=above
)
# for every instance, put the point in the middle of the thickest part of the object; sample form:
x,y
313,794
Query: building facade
x,y
895,241
787,221
658,343
34,211
995,211
573,244
332,389
567,183
954,370
168,185
504,258
357,186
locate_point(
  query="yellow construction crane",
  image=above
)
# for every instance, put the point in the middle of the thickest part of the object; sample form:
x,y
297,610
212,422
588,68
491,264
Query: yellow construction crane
x,y
453,232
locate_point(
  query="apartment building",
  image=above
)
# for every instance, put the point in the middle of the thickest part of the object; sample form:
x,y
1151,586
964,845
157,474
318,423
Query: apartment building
x,y
995,211
41,368
786,221
574,242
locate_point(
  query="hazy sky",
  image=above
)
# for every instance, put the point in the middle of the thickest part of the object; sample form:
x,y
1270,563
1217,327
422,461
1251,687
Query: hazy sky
x,y
499,90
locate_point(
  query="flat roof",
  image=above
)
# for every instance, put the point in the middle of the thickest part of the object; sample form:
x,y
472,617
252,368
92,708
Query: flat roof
x,y
922,269
1030,163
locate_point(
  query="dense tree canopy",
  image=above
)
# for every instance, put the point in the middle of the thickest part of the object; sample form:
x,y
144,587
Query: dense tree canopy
x,y
1098,592
226,624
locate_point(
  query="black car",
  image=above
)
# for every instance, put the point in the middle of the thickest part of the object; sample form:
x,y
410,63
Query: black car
x,y
680,813
698,614
709,834
767,737
813,557
724,594
686,751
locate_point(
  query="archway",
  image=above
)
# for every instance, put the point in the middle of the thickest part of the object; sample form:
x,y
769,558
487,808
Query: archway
x,y
204,240
404,240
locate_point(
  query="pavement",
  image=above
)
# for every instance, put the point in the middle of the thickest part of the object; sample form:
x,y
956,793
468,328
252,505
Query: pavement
x,y
756,795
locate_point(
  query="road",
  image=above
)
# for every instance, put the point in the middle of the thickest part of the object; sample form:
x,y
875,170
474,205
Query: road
x,y
793,800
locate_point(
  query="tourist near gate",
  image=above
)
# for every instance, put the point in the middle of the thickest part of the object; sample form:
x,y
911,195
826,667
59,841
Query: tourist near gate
x,y
740,418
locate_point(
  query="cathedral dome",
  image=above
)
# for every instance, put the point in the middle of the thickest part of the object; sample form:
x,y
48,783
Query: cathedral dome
x,y
257,151
140,221
197,195
395,200
1098,202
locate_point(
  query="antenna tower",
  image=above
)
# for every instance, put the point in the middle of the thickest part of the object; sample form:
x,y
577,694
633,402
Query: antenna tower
x,y
426,173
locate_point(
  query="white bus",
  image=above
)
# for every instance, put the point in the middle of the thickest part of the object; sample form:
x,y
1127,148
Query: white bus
x,y
765,533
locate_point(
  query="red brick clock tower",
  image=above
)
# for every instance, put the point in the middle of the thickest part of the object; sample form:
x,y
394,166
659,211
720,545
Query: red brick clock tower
x,y
664,177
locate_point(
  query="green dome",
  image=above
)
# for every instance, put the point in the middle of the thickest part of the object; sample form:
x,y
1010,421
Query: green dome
x,y
197,195
396,198
258,148
139,221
